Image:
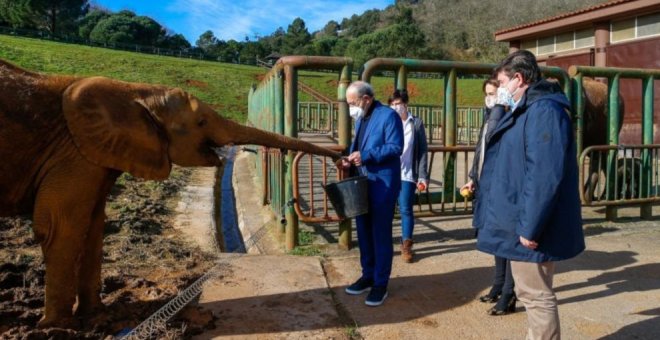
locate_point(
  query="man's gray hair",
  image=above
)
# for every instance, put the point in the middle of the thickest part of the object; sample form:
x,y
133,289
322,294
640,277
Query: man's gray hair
x,y
361,88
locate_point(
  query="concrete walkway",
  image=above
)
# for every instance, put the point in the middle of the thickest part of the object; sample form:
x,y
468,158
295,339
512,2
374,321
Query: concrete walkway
x,y
611,291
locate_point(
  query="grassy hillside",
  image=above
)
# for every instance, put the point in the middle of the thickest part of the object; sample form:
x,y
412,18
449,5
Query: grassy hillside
x,y
224,86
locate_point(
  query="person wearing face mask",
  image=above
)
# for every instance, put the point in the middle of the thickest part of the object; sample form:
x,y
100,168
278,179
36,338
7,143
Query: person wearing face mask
x,y
414,168
375,151
501,290
527,206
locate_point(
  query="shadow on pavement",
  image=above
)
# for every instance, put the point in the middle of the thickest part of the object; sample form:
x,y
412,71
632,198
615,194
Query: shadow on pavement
x,y
647,329
426,294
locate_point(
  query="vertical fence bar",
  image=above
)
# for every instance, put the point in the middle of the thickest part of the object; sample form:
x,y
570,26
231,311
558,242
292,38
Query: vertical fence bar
x,y
290,124
449,129
401,81
344,136
613,139
646,211
578,112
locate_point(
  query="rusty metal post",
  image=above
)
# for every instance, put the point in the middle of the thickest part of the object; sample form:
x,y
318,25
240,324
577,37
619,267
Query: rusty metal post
x,y
613,139
290,130
344,135
646,209
450,134
578,112
401,81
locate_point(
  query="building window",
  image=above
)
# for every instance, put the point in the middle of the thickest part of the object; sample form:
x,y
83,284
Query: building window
x,y
584,38
529,45
623,30
638,27
560,43
546,45
648,25
564,41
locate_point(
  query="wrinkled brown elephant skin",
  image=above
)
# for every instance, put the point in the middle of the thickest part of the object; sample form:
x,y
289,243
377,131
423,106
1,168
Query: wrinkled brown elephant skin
x,y
65,140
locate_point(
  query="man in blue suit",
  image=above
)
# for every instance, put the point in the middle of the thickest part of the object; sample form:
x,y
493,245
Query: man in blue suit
x,y
527,207
376,152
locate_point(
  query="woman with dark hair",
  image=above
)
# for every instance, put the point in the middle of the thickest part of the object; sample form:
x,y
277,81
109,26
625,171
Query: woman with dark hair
x,y
414,172
502,288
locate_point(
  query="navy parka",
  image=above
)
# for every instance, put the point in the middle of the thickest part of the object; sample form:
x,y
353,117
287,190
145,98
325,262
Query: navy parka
x,y
529,182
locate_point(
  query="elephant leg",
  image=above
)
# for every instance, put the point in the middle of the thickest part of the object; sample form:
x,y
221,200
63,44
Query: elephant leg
x,y
592,180
65,202
89,280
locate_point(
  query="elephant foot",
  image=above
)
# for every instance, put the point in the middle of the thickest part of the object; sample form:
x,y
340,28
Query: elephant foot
x,y
68,322
89,308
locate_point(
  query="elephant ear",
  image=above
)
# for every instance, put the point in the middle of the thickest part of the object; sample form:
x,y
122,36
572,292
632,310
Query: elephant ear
x,y
112,127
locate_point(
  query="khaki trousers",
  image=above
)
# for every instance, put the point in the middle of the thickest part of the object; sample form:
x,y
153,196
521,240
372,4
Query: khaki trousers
x,y
533,287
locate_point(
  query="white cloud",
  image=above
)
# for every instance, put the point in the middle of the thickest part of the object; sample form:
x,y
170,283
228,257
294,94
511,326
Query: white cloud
x,y
237,19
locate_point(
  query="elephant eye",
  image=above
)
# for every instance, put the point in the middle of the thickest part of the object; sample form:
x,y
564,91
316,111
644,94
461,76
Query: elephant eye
x,y
201,122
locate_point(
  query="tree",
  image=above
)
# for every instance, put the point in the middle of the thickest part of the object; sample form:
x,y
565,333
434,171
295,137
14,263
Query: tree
x,y
206,41
330,29
146,30
296,38
117,28
89,21
56,16
174,42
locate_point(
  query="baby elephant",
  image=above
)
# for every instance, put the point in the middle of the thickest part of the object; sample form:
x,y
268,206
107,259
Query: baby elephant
x,y
65,140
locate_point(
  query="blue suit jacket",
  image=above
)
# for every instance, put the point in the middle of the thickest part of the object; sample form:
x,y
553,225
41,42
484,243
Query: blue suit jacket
x,y
381,151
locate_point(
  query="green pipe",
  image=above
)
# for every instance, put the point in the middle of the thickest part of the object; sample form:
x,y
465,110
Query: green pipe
x,y
290,124
344,136
612,134
609,72
578,112
343,118
647,134
401,81
450,133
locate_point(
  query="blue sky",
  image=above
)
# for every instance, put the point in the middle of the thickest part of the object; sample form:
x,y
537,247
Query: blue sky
x,y
238,18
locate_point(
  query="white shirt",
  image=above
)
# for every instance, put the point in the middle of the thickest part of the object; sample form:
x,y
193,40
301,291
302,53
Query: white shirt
x,y
407,155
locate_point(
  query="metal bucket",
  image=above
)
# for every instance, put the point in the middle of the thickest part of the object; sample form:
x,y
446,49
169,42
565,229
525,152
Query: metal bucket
x,y
349,197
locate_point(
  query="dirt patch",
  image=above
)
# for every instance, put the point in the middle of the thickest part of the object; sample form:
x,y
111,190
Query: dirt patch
x,y
413,91
145,264
196,83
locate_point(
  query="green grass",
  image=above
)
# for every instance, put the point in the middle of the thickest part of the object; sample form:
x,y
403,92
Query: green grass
x,y
422,91
224,86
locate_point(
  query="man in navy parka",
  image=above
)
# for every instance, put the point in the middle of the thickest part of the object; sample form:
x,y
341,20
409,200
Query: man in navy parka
x,y
527,206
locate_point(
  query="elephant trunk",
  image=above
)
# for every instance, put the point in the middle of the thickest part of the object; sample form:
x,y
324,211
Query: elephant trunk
x,y
234,133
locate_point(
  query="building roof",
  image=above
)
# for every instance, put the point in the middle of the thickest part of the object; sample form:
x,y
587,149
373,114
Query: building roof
x,y
600,12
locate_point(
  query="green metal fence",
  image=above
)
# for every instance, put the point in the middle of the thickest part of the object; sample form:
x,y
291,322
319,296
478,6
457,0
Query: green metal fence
x,y
619,163
273,106
631,173
321,117
455,127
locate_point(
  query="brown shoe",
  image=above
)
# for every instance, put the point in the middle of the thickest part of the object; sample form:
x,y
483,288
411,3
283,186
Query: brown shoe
x,y
406,251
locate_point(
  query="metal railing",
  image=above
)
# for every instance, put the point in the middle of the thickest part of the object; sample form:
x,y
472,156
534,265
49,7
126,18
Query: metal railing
x,y
631,181
273,106
614,75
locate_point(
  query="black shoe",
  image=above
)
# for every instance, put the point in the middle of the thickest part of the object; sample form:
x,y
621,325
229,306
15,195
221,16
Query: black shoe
x,y
360,286
376,296
492,296
506,305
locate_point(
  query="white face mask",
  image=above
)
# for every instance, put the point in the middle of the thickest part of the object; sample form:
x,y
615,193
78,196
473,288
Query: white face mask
x,y
507,94
356,112
399,108
490,101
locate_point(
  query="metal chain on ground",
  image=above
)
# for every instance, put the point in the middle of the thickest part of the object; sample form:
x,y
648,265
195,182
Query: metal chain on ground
x,y
156,322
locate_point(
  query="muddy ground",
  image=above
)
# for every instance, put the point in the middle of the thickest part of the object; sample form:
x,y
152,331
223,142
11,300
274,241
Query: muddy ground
x,y
145,264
